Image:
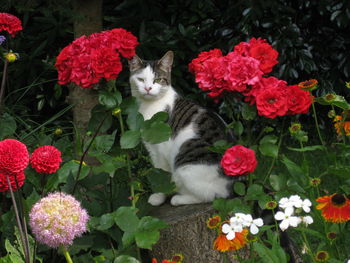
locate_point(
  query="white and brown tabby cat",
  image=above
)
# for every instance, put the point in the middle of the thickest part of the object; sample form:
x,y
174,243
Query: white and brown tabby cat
x,y
195,170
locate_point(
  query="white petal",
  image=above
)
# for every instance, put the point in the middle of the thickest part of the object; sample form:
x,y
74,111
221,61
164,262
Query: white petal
x,y
284,225
280,215
238,228
226,228
259,222
294,221
306,209
283,201
231,235
307,202
308,220
253,229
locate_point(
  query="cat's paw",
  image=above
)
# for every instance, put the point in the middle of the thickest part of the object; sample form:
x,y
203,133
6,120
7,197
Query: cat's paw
x,y
184,200
157,199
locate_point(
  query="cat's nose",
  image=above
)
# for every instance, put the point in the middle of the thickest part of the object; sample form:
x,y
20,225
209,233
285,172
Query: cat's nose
x,y
148,89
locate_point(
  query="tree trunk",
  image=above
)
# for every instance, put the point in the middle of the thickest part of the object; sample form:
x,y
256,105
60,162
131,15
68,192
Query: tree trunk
x,y
189,235
88,20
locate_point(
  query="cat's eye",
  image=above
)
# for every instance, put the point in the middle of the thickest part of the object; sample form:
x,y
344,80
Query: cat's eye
x,y
140,79
160,80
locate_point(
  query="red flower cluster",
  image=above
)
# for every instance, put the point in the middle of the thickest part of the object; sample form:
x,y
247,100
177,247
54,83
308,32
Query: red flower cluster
x,y
10,23
244,70
238,160
46,159
14,158
89,58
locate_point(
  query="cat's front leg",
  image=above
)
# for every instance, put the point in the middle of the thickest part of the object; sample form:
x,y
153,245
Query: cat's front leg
x,y
157,199
184,200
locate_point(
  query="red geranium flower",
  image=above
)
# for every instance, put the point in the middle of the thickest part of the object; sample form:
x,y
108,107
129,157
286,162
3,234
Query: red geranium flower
x,y
298,100
272,102
238,160
123,41
10,23
260,50
19,177
14,156
106,63
46,159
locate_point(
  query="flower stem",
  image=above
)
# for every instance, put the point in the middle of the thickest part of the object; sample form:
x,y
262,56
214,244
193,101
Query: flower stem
x,y
132,190
19,223
316,123
307,245
3,82
276,225
66,255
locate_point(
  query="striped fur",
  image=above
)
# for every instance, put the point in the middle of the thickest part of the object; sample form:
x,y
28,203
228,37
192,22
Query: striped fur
x,y
195,170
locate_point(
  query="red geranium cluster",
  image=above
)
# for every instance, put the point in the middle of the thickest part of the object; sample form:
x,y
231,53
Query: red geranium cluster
x,y
14,158
238,160
89,58
46,159
244,70
10,23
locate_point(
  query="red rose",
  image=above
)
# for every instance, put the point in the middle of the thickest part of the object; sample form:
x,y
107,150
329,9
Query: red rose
x,y
298,100
10,23
211,76
238,160
241,71
272,102
46,159
14,156
106,63
264,84
19,177
260,50
196,64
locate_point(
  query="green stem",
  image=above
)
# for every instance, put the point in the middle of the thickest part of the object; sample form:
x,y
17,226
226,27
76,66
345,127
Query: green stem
x,y
276,225
66,255
3,82
132,190
308,245
316,123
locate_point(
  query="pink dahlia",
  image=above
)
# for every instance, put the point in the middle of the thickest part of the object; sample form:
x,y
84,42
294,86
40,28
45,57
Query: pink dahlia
x,y
16,180
57,219
238,160
46,159
14,156
10,23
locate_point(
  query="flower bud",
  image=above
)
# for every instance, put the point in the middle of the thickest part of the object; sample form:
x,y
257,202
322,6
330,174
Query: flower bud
x,y
58,131
315,182
11,57
214,222
331,114
271,205
308,84
116,112
329,97
294,128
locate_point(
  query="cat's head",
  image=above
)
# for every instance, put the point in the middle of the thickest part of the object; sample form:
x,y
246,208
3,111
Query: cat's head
x,y
150,80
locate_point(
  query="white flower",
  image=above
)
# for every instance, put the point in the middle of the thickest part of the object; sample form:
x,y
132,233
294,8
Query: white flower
x,y
287,219
230,230
305,205
253,224
307,220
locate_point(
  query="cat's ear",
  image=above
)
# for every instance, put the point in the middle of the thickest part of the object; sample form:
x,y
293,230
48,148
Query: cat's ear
x,y
166,62
135,63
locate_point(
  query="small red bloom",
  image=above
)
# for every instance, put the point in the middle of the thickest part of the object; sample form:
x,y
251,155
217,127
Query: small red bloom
x,y
106,63
196,64
335,208
10,23
298,100
14,156
238,160
46,159
19,177
272,102
123,41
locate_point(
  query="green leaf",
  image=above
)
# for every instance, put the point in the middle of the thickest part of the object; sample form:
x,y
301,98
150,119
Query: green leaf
x,y
342,171
278,182
272,139
98,114
307,148
106,221
226,207
135,121
265,253
126,219
8,126
147,233
295,171
161,116
109,99
104,143
129,106
160,181
311,232
130,139
239,188
238,128
126,259
157,132
72,167
255,192
248,112
269,149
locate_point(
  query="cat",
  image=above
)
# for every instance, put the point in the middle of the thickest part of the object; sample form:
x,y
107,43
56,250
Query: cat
x,y
195,170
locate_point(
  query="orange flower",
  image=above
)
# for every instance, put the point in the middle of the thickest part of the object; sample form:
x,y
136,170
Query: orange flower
x,y
339,125
154,260
214,222
308,84
335,208
222,244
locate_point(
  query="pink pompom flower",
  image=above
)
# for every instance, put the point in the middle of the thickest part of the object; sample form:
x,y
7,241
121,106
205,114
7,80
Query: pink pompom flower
x,y
56,220
238,160
14,157
46,159
10,23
